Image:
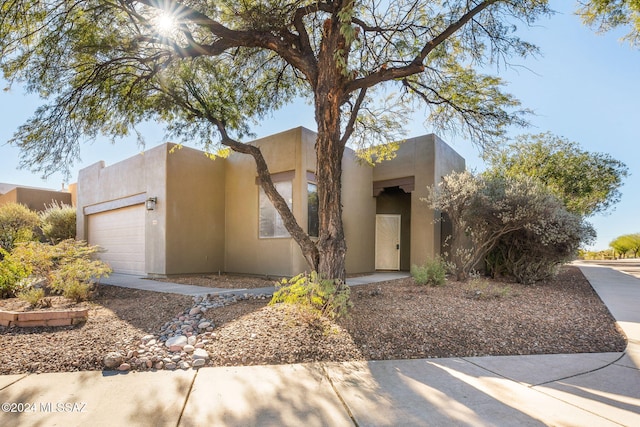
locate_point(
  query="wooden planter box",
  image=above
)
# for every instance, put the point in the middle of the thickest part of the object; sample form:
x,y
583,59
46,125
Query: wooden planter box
x,y
43,318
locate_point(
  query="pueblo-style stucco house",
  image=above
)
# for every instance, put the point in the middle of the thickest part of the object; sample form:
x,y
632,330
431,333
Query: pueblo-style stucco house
x,y
168,212
36,199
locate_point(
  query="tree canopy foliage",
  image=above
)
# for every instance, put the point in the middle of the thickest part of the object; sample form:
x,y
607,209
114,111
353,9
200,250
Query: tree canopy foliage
x,y
605,15
587,183
209,70
626,244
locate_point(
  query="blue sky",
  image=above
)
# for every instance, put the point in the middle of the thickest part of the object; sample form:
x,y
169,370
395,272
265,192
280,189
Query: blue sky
x,y
583,87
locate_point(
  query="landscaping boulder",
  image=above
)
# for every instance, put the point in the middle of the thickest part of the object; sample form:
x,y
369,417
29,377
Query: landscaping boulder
x,y
176,343
112,360
200,353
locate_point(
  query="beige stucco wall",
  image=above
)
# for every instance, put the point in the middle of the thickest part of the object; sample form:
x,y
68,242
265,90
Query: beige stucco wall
x,y
34,198
185,231
358,214
245,251
293,150
145,174
195,214
10,196
73,189
448,160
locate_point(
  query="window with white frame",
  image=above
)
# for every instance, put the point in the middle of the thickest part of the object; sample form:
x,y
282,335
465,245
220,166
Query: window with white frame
x,y
271,224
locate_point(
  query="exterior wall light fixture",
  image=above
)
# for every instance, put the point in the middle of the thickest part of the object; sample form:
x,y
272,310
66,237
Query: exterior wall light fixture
x,y
150,203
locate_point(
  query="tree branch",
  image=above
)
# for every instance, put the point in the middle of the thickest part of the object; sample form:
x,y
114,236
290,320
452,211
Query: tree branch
x,y
229,38
432,44
416,66
310,250
354,116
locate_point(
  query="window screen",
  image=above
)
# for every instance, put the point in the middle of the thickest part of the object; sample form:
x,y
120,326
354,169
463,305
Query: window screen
x,y
271,224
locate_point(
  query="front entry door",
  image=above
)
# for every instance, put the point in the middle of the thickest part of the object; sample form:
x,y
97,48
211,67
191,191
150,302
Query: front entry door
x,y
387,242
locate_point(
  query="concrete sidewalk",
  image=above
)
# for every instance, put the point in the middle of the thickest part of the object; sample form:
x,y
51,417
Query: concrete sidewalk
x,y
561,390
138,282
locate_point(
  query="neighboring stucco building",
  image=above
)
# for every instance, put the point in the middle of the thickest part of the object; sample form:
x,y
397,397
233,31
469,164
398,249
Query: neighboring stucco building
x,y
37,199
176,211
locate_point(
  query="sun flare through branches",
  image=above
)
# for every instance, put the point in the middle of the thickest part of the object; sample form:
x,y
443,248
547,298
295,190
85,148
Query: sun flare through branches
x,y
165,23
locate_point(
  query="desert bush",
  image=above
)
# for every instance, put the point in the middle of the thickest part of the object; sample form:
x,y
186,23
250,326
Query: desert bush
x,y
58,222
11,275
456,196
489,212
17,224
76,269
433,272
68,268
35,257
312,293
78,291
536,251
33,296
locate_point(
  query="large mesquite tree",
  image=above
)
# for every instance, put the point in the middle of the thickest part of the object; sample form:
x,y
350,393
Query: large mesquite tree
x,y
209,69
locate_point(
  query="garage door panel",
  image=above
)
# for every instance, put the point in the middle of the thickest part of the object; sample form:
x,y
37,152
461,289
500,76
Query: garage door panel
x,y
121,234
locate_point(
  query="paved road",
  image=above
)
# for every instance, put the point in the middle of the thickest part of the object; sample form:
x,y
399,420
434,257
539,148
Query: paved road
x,y
628,266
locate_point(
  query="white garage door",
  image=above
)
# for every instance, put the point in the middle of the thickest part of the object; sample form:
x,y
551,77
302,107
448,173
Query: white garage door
x,y
120,233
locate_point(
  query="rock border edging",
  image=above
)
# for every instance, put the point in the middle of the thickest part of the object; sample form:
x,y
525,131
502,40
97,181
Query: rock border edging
x,y
32,319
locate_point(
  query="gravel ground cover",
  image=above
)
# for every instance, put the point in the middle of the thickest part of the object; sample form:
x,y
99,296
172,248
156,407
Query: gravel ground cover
x,y
118,318
389,320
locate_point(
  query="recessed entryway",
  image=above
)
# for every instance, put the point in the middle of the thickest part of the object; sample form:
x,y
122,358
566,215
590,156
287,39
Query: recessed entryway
x,y
395,201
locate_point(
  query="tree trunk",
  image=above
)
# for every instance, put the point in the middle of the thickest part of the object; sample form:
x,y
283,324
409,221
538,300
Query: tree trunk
x,y
328,255
331,244
329,94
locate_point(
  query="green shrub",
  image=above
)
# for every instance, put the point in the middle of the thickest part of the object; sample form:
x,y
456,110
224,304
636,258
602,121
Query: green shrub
x,y
11,275
34,296
78,291
535,253
76,269
17,224
68,268
433,272
321,297
58,222
35,257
